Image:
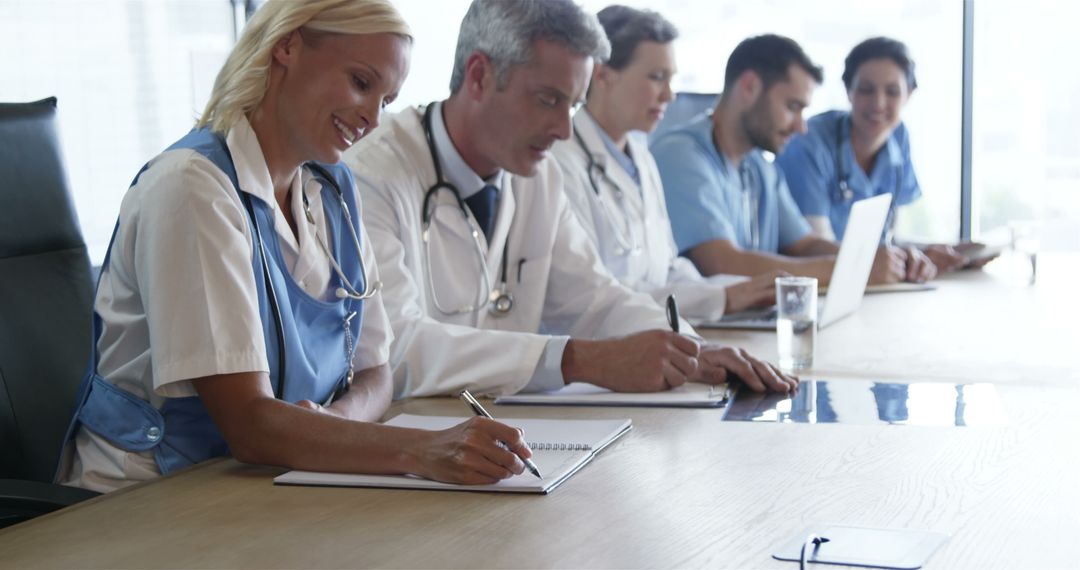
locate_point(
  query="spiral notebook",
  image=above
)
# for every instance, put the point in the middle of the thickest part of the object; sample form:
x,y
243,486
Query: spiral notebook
x,y
560,449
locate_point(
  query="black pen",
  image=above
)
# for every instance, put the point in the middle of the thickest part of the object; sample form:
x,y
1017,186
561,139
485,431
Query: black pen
x,y
673,314
480,411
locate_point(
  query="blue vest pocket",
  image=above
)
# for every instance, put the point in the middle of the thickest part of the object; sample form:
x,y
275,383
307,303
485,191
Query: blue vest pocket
x,y
123,419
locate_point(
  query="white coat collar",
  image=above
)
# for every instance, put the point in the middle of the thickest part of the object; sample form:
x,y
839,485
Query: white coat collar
x,y
590,134
458,173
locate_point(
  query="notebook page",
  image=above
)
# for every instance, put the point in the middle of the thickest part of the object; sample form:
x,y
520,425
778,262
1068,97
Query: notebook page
x,y
539,433
556,466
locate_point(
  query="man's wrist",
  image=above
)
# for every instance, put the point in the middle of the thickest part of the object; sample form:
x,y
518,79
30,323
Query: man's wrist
x,y
579,361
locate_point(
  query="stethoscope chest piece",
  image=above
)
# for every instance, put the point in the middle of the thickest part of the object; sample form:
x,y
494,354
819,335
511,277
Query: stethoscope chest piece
x,y
502,302
846,193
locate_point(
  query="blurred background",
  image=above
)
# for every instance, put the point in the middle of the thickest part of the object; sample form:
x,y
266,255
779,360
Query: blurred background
x,y
132,75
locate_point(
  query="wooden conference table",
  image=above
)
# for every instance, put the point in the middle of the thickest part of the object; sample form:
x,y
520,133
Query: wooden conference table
x,y
683,489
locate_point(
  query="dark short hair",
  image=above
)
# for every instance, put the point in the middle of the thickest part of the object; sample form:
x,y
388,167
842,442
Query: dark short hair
x,y
879,48
627,27
770,56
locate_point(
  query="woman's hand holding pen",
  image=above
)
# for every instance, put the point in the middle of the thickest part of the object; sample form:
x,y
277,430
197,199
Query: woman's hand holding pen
x,y
920,268
468,453
890,265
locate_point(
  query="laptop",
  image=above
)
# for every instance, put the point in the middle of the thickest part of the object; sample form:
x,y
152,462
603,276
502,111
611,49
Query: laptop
x,y
849,276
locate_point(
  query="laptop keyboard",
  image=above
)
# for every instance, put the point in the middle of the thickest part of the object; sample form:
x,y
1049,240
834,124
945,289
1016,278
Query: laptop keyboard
x,y
766,315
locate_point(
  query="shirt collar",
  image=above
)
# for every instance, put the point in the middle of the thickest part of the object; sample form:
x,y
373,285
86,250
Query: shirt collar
x,y
456,171
624,160
892,152
252,173
704,132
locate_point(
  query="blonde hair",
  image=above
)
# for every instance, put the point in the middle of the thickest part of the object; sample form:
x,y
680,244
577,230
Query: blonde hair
x,y
243,80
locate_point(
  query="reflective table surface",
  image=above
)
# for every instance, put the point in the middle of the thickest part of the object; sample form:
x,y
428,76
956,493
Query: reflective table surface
x,y
867,402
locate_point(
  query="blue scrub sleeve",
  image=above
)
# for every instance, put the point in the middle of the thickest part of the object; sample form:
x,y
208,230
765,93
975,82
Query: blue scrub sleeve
x,y
909,188
808,179
692,187
793,226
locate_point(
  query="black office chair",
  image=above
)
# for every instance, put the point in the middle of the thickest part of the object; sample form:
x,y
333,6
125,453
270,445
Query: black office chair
x,y
46,297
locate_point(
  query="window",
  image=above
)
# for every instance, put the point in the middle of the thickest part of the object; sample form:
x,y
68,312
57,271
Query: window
x,y
130,78
1025,151
933,31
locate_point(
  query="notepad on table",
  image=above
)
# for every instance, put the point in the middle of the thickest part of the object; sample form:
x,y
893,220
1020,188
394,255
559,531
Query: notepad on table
x,y
560,449
902,287
689,395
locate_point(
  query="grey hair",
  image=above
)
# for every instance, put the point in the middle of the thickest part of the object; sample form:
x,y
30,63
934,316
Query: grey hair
x,y
505,30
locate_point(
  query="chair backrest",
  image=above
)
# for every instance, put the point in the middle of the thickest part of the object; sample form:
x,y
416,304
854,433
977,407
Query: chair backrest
x,y
46,293
685,107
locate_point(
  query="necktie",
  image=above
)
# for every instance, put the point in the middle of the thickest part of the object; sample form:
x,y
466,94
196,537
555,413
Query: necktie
x,y
482,205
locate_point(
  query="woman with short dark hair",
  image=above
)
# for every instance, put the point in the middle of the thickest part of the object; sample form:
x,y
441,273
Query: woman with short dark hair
x,y
847,156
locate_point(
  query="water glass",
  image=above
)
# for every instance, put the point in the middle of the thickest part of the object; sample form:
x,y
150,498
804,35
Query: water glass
x,y
796,321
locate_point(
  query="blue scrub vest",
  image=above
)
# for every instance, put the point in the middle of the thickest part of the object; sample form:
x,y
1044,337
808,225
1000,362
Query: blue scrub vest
x,y
181,432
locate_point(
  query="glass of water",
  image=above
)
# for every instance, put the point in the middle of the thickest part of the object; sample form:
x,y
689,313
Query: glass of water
x,y
796,321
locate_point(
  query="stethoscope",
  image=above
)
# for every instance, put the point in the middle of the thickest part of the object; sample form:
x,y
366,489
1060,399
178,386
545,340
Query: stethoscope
x,y
750,206
624,245
845,194
344,291
499,301
750,198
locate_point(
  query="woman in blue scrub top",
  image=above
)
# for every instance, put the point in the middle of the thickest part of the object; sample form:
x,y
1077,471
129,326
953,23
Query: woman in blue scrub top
x,y
238,311
847,156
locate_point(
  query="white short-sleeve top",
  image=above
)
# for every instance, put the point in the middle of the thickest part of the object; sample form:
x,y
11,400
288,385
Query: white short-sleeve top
x,y
177,297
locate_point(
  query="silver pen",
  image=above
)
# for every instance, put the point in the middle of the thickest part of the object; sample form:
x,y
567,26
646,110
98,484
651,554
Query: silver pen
x,y
480,411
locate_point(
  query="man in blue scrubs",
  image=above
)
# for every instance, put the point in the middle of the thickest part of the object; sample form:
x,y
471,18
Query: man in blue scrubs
x,y
730,207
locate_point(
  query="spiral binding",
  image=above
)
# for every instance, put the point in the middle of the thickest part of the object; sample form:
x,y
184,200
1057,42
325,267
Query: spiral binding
x,y
548,446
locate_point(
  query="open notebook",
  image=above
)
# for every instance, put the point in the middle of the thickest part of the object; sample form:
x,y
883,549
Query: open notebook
x,y
560,448
689,395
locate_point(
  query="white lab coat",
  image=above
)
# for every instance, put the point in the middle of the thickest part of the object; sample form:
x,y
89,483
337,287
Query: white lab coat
x,y
634,217
557,279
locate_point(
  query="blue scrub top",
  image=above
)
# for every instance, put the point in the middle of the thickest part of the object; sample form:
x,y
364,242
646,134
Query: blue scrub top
x,y
809,162
705,193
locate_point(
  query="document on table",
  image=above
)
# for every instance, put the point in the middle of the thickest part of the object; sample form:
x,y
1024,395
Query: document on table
x,y
902,287
560,449
689,395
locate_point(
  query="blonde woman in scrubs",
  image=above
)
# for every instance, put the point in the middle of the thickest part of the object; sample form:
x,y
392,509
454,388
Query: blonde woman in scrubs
x,y
239,310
